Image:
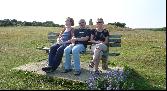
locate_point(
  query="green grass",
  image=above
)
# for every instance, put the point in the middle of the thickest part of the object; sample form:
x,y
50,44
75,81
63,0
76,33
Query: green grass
x,y
143,51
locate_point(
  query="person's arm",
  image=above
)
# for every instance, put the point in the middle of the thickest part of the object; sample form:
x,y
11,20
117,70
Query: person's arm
x,y
82,38
106,38
68,41
73,36
92,40
60,35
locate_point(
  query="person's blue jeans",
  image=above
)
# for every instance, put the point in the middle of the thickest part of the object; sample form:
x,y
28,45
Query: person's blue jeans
x,y
55,55
76,56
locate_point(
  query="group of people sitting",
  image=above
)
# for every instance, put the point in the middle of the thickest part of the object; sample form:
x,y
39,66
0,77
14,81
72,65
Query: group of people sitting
x,y
75,41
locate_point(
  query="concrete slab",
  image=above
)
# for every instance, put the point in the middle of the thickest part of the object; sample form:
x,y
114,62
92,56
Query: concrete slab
x,y
37,68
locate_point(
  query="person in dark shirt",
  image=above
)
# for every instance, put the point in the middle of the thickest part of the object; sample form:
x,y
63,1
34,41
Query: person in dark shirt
x,y
79,40
99,38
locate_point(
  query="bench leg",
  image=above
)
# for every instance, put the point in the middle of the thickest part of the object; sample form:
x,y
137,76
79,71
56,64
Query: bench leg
x,y
104,63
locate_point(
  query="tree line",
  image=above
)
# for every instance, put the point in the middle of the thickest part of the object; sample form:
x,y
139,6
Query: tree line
x,y
118,24
14,22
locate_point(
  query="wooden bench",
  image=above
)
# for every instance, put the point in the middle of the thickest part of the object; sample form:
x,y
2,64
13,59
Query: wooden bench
x,y
114,41
52,38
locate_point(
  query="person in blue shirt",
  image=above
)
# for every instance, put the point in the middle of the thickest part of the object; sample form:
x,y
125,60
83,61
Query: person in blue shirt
x,y
99,38
79,40
57,50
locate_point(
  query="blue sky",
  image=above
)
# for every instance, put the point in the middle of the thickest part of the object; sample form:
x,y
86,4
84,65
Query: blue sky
x,y
135,13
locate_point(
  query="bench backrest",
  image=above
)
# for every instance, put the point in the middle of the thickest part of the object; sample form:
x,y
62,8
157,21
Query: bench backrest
x,y
52,37
114,40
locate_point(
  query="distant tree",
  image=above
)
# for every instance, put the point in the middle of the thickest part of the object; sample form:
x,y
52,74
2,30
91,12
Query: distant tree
x,y
118,24
164,29
123,24
19,23
34,23
159,29
25,23
5,22
111,23
14,22
49,24
62,26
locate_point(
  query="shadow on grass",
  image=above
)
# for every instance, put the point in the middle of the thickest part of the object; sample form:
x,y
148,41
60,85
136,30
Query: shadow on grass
x,y
139,82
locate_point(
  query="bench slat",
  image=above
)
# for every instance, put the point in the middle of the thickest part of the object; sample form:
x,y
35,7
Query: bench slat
x,y
115,40
52,37
115,36
52,41
114,54
111,44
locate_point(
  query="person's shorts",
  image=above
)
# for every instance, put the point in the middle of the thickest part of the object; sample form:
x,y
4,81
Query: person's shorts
x,y
100,46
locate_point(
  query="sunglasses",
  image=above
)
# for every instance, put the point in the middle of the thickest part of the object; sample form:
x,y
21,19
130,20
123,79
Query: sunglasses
x,y
81,22
99,22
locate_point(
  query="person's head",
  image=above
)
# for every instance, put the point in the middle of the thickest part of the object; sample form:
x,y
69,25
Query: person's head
x,y
99,23
82,23
69,21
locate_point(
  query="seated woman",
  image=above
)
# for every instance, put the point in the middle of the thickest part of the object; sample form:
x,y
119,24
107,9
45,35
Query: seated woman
x,y
99,38
57,50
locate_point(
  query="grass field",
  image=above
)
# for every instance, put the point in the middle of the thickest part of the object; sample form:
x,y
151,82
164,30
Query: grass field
x,y
143,51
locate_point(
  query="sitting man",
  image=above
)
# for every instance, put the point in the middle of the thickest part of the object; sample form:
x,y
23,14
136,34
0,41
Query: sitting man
x,y
79,40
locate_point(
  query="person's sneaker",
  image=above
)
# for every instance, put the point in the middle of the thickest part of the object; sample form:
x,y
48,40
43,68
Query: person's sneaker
x,y
46,68
77,73
66,70
49,69
91,65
